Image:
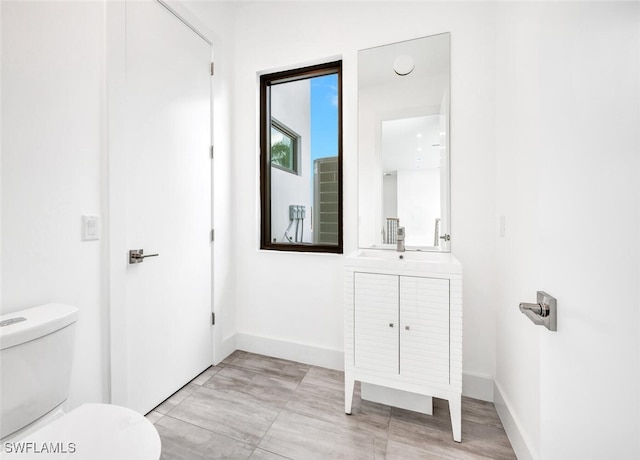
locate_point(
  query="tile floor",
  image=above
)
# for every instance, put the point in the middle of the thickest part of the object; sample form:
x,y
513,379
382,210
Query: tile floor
x,y
261,408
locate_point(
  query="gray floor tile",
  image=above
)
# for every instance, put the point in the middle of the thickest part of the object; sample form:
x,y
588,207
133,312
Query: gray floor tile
x,y
260,454
322,377
305,438
183,441
206,375
483,412
231,357
417,434
262,408
176,399
154,416
380,449
231,379
236,415
271,365
271,389
401,451
478,440
483,440
328,404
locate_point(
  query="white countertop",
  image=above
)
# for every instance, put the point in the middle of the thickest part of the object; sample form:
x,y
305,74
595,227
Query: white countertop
x,y
422,261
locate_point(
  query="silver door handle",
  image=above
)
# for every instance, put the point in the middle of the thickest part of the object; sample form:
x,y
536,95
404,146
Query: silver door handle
x,y
544,313
536,308
137,256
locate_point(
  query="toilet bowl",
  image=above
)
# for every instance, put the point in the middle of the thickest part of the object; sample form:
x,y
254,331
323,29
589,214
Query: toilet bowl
x,y
92,431
36,347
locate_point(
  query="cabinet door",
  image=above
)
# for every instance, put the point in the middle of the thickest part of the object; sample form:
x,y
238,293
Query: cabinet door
x,y
424,333
376,322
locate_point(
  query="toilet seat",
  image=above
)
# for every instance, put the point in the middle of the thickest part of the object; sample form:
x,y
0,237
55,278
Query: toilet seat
x,y
96,432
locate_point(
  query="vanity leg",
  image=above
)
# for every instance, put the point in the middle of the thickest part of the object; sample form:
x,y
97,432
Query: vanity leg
x,y
349,384
455,409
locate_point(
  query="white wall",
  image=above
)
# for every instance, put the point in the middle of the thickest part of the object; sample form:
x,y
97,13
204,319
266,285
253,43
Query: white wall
x,y
307,308
568,112
371,219
52,149
518,357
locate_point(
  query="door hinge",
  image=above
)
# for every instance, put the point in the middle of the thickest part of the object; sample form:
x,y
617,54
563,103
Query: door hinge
x,y
211,151
212,69
213,318
213,235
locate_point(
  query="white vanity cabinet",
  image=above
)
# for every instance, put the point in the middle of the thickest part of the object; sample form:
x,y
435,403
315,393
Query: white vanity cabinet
x,y
403,328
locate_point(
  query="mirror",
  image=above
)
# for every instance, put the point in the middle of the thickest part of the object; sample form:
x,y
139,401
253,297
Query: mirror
x,y
403,144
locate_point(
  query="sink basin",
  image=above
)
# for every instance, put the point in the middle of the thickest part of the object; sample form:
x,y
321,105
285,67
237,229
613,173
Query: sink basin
x,y
433,262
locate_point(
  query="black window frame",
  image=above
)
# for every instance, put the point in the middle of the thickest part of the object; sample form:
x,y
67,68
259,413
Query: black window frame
x,y
266,81
295,141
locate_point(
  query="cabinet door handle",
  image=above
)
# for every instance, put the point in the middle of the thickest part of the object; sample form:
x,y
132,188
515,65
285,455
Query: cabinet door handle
x,y
390,324
406,328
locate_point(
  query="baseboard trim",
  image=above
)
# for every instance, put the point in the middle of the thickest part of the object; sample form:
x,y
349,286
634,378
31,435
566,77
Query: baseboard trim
x,y
477,386
224,349
293,351
519,441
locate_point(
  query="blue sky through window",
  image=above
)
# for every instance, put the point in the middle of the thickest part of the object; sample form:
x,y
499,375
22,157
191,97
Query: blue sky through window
x,y
324,117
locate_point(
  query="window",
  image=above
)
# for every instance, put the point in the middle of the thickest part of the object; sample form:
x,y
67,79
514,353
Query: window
x,y
284,147
301,159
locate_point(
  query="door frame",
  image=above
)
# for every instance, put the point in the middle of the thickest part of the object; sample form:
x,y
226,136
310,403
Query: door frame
x,y
114,202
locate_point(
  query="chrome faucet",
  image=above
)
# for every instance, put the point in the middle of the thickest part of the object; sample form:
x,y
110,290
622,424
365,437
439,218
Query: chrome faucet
x,y
400,239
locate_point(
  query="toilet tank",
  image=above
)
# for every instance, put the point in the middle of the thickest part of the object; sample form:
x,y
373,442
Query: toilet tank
x,y
36,351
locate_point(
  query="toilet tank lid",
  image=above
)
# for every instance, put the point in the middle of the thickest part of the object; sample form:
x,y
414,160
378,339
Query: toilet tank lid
x,y
22,326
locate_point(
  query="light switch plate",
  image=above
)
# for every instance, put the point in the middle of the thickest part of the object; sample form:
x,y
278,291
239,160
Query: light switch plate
x,y
90,228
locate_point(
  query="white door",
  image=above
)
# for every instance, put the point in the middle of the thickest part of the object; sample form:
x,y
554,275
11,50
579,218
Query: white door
x,y
569,166
588,250
168,200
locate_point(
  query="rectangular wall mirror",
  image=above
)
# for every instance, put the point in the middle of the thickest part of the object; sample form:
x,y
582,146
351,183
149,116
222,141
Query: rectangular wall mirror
x,y
403,144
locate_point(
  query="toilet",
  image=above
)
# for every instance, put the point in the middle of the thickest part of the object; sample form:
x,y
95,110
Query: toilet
x,y
36,351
